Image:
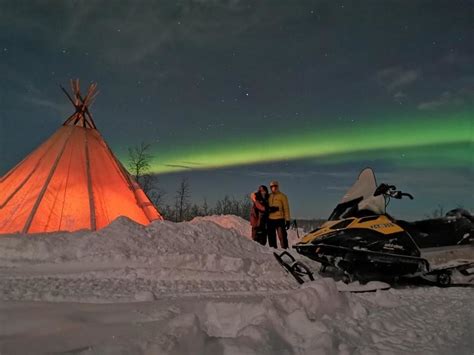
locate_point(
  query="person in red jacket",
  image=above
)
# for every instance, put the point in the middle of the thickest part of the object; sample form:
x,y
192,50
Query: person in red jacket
x,y
259,215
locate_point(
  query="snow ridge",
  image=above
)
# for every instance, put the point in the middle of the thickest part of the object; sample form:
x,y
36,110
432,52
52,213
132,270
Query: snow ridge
x,y
203,287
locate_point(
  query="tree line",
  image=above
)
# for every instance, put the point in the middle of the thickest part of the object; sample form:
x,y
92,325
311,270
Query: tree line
x,y
181,208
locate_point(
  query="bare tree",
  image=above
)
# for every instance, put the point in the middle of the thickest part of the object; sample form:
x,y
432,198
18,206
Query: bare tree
x,y
139,158
194,211
167,212
245,207
226,205
230,205
183,209
146,182
156,194
183,195
205,208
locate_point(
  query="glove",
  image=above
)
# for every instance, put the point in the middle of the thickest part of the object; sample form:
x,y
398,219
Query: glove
x,y
273,209
287,225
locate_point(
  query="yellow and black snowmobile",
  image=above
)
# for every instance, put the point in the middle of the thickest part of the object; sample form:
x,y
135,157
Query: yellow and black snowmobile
x,y
364,242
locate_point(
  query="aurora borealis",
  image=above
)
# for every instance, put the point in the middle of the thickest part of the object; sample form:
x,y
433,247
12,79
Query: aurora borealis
x,y
235,93
374,139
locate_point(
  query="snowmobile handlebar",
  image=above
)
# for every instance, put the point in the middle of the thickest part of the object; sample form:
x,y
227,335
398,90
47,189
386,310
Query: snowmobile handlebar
x,y
410,196
384,189
391,191
399,195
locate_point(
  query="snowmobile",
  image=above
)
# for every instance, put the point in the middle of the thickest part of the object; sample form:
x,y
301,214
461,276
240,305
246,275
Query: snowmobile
x,y
364,243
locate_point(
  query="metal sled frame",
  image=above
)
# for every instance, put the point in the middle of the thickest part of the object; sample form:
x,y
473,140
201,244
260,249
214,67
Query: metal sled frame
x,y
296,268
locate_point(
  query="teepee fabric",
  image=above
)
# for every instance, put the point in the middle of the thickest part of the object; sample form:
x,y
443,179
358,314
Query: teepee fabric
x,y
72,181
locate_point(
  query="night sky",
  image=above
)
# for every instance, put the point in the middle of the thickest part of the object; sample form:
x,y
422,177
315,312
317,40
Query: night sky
x,y
235,93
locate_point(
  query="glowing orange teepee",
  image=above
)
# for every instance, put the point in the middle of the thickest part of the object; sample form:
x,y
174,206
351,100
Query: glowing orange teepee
x,y
72,181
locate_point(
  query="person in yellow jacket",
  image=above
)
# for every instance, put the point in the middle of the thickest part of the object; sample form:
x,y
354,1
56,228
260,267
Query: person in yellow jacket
x,y
279,217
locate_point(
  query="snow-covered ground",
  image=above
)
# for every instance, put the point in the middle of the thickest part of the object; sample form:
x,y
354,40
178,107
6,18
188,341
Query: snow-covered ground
x,y
203,287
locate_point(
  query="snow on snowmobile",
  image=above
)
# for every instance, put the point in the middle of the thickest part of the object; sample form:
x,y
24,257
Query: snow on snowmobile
x,y
365,243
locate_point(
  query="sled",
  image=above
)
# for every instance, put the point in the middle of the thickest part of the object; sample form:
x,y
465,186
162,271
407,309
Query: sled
x,y
295,268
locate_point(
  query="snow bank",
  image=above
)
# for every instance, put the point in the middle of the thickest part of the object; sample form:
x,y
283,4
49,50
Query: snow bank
x,y
242,227
227,294
203,287
125,240
289,320
125,260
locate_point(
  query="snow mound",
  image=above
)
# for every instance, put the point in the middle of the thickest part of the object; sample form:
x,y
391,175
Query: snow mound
x,y
290,320
124,239
242,227
125,260
203,287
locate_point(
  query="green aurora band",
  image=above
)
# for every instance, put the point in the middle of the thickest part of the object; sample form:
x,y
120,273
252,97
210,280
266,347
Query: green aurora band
x,y
440,141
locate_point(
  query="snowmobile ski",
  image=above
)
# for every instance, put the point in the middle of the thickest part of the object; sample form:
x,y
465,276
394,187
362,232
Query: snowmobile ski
x,y
297,269
302,273
442,275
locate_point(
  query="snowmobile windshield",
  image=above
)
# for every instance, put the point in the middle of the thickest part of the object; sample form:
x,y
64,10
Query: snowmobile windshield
x,y
345,210
349,209
363,190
